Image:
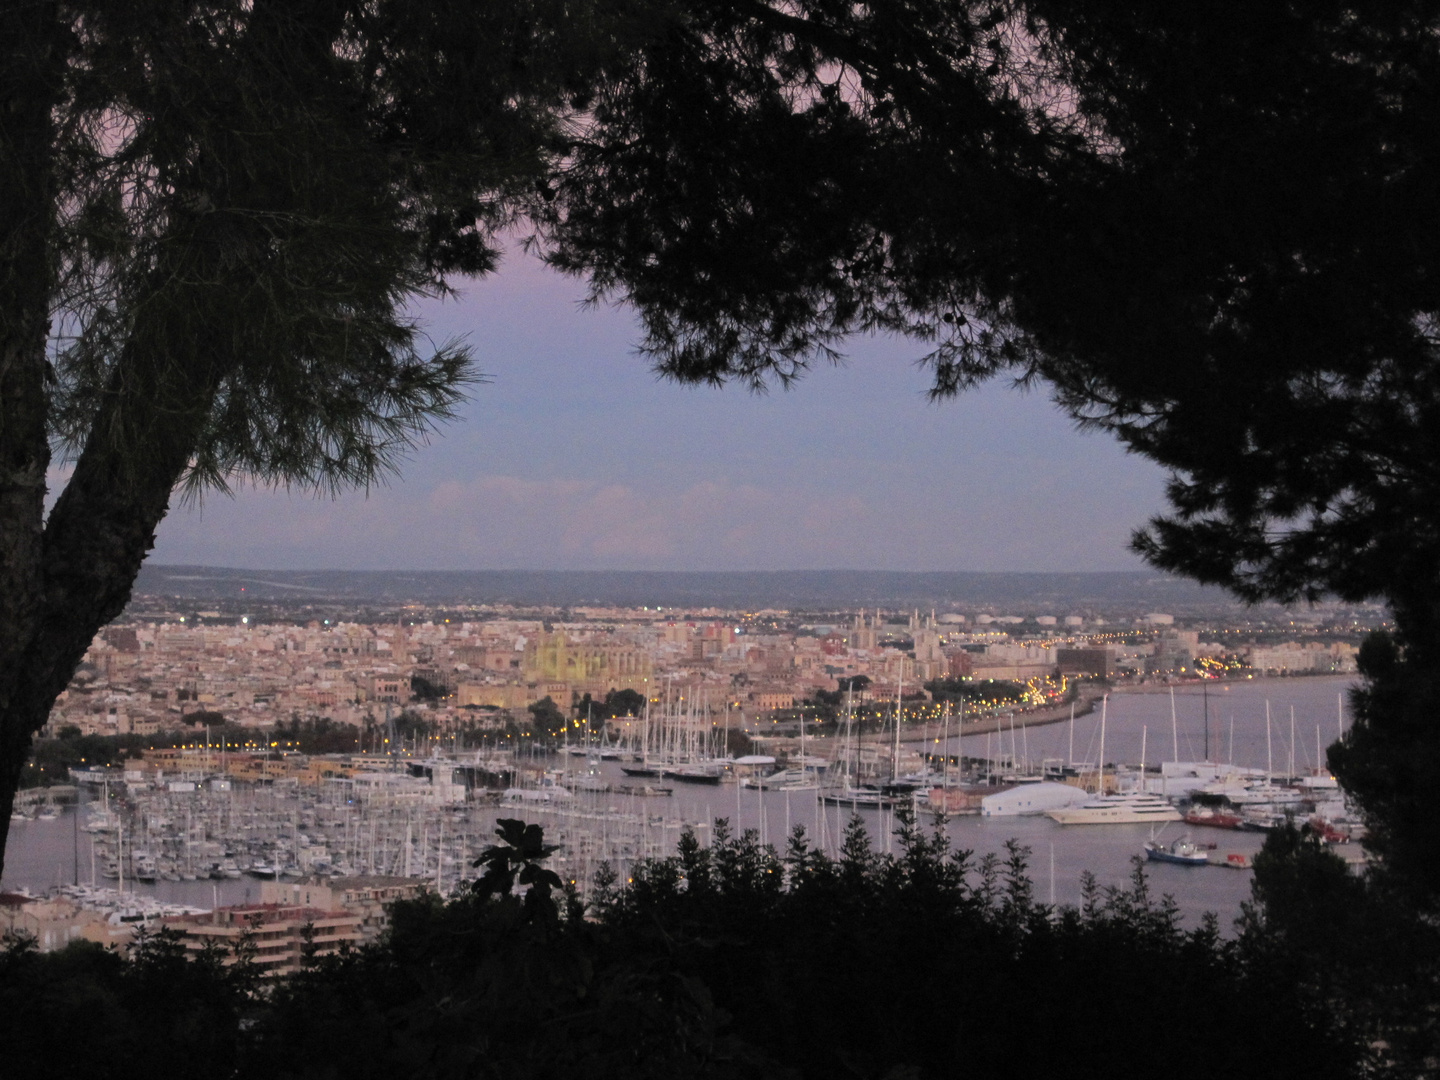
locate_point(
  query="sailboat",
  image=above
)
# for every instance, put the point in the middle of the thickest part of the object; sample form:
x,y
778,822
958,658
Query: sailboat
x,y
641,766
692,757
797,777
842,779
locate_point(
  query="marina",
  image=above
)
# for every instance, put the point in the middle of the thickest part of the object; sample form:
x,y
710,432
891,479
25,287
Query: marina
x,y
204,847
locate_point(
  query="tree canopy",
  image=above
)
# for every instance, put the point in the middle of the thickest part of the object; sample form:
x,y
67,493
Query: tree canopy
x,y
1211,233
216,214
1211,236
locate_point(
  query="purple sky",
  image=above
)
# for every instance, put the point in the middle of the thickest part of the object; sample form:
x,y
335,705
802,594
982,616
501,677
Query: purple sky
x,y
575,456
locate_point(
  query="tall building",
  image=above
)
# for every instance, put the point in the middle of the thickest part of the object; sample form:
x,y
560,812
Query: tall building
x,y
864,633
594,666
277,933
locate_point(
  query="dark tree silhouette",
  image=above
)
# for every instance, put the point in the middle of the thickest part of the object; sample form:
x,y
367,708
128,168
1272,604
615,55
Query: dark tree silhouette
x,y
215,212
547,718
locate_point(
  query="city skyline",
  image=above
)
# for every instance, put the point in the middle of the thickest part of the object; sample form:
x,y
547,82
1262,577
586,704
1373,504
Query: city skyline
x,y
573,456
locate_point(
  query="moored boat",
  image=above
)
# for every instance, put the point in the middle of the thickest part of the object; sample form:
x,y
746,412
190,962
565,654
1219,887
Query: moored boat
x,y
785,780
647,790
1127,809
861,798
1181,851
1261,820
1329,831
1213,817
694,774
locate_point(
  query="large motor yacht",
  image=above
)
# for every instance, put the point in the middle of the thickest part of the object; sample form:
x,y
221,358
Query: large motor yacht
x,y
1126,809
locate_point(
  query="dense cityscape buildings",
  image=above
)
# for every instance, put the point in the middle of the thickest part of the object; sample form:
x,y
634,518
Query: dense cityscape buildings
x,y
157,669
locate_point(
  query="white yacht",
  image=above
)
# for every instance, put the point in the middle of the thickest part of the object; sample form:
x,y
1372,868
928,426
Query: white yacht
x,y
1266,794
1127,809
785,780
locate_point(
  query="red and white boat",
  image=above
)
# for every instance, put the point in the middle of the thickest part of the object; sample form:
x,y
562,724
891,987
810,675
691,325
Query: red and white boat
x,y
1214,817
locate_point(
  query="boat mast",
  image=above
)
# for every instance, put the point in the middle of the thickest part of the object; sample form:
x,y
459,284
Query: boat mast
x,y
1269,764
960,736
945,749
1174,730
1205,691
1071,761
899,699
845,742
1100,775
803,763
1292,742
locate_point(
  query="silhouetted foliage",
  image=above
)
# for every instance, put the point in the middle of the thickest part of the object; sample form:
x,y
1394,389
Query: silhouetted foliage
x,y
516,861
956,690
546,718
412,724
616,703
157,1012
1212,237
422,689
216,219
318,735
724,960
1388,761
1350,945
873,964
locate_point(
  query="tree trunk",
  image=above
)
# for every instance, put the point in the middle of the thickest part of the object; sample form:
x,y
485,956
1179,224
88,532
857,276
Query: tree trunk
x,y
31,66
79,574
103,525
198,311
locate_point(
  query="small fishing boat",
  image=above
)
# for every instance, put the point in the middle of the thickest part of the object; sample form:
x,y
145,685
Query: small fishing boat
x,y
1182,851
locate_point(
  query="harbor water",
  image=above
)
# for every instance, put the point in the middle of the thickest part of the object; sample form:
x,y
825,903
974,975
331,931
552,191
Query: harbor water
x,y
621,828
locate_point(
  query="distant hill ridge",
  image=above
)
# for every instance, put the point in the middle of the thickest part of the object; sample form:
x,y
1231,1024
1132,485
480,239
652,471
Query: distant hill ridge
x,y
1026,593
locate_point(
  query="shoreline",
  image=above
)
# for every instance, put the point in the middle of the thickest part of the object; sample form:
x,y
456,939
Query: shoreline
x,y
1087,702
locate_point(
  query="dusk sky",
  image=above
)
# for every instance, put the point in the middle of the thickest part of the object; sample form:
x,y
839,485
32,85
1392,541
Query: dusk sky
x,y
574,456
